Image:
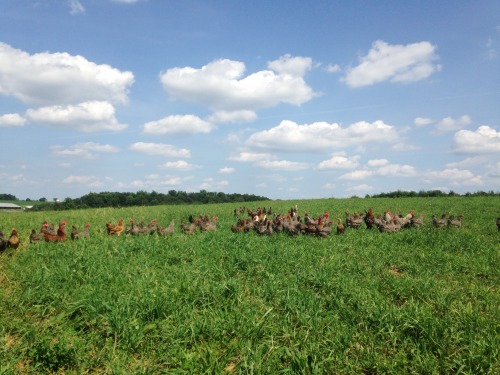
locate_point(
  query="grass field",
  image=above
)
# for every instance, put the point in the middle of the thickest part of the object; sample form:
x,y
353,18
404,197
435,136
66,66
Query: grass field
x,y
420,301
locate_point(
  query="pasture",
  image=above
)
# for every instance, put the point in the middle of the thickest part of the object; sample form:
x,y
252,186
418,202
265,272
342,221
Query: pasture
x,y
421,301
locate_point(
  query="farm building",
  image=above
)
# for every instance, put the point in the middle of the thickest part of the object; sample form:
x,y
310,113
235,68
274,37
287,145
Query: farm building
x,y
10,207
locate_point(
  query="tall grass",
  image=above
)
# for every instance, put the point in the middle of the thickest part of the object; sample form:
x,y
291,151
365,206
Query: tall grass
x,y
417,301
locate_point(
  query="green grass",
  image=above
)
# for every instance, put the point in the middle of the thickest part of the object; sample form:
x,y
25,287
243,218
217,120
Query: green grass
x,y
419,301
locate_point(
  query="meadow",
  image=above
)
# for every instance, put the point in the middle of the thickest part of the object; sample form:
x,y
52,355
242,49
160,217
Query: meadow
x,y
420,301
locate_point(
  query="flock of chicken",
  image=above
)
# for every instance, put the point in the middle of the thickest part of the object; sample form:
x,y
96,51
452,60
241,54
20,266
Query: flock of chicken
x,y
261,221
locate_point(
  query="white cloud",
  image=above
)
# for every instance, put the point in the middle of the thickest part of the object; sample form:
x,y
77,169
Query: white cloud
x,y
339,162
178,125
89,181
12,119
377,162
245,156
485,140
221,84
396,63
422,121
161,149
450,124
456,177
88,150
381,167
211,184
232,116
287,64
59,78
333,68
87,117
283,165
226,170
289,136
179,165
75,7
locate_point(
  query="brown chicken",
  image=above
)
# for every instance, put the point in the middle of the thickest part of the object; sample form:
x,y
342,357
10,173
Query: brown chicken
x,y
163,231
191,228
340,226
35,237
115,230
60,236
455,223
75,234
13,241
441,223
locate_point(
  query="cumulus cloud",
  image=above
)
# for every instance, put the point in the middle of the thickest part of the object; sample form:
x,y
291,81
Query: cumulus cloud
x,y
178,125
46,79
232,116
179,165
283,165
339,162
450,124
485,140
246,156
456,177
161,149
221,84
422,121
394,63
333,68
87,117
12,119
89,181
226,170
289,136
380,167
87,150
211,184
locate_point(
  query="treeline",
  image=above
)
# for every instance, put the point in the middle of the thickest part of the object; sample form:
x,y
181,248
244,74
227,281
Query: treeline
x,y
8,197
430,193
143,198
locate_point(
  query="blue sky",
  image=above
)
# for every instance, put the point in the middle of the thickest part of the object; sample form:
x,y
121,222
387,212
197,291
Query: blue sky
x,y
285,99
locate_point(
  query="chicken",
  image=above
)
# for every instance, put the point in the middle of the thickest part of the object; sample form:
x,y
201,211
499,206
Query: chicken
x,y
13,241
498,223
34,236
208,224
417,222
134,228
455,223
60,236
162,231
75,234
3,242
405,221
191,228
48,228
340,226
369,219
389,227
441,223
239,226
115,230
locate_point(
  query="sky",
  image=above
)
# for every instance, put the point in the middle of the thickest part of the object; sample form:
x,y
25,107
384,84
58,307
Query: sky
x,y
283,99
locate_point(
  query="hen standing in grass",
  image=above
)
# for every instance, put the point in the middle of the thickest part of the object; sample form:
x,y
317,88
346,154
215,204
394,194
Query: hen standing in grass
x,y
34,236
60,236
13,241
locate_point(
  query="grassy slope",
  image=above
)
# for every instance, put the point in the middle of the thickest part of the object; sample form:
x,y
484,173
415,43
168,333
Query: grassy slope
x,y
418,301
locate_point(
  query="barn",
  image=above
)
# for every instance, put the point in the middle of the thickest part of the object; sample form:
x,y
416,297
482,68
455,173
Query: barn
x,y
10,207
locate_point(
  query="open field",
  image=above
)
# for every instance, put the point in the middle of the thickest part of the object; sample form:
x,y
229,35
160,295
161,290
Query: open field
x,y
419,301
